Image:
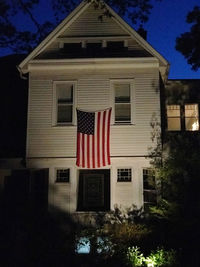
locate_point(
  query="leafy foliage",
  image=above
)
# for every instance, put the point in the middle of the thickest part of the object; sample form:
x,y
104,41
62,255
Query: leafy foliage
x,y
189,42
157,258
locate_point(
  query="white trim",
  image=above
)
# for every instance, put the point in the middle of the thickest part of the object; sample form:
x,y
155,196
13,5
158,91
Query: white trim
x,y
55,175
54,109
132,100
94,64
124,167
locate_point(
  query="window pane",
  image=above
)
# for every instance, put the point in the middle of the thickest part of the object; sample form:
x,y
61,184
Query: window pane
x,y
122,112
122,93
149,180
173,118
64,93
150,197
174,124
191,117
173,111
149,188
62,176
192,124
191,110
64,113
124,175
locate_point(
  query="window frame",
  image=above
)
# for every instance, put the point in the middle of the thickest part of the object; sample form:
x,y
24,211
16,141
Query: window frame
x,y
174,117
55,103
183,117
186,117
62,182
113,82
125,168
151,191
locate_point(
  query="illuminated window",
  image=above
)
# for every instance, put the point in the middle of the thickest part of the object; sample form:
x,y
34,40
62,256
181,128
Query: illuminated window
x,y
64,103
191,117
149,187
124,175
62,175
183,117
173,118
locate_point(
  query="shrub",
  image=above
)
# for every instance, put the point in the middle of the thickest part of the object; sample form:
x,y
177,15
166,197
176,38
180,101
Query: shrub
x,y
158,258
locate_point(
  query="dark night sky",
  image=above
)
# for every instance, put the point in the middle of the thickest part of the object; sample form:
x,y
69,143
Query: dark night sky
x,y
166,22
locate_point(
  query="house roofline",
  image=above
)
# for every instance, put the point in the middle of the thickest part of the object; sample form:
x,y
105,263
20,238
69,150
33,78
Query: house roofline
x,y
69,20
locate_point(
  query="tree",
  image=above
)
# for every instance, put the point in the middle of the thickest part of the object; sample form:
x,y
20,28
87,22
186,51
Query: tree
x,y
22,40
188,43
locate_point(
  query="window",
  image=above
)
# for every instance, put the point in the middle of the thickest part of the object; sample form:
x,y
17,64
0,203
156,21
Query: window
x,y
122,95
191,117
124,175
173,117
183,117
62,175
64,103
149,187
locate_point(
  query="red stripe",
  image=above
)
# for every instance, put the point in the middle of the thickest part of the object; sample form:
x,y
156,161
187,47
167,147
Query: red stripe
x,y
78,150
93,151
83,150
98,139
103,137
108,137
88,151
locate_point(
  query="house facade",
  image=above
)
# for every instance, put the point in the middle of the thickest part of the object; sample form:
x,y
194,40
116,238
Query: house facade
x,y
93,64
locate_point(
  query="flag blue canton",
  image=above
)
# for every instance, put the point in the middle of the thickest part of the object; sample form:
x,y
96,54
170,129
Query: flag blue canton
x,y
86,121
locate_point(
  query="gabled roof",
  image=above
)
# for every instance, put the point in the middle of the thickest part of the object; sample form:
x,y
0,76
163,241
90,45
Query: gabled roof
x,y
66,23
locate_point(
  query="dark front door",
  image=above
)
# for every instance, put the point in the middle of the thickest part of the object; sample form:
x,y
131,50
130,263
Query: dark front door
x,y
94,190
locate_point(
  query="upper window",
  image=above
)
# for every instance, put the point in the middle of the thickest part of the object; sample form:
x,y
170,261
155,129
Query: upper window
x,y
191,117
64,103
123,102
174,117
183,117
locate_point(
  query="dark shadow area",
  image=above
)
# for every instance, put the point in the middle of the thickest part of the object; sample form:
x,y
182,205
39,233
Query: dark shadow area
x,y
13,108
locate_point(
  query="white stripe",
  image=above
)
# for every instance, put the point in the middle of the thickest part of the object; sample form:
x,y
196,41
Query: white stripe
x,y
81,155
95,139
85,149
106,130
101,139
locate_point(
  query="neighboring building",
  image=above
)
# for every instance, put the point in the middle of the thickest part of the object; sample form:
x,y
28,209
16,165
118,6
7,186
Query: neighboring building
x,y
92,64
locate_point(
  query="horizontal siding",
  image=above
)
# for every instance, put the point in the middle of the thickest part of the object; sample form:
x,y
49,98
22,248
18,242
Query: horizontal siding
x,y
93,93
89,24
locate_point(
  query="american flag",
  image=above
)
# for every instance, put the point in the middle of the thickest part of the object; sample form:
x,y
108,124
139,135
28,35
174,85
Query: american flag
x,y
93,139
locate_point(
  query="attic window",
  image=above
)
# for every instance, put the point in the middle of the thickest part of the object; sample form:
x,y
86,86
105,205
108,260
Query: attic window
x,y
72,46
115,45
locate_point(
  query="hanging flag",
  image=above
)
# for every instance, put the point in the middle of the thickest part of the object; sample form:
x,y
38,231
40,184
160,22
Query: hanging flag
x,y
93,139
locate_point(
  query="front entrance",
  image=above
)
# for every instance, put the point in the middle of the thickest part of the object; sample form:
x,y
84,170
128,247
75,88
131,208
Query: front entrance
x,y
94,190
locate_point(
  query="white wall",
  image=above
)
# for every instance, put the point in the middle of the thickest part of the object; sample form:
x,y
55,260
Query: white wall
x,y
93,93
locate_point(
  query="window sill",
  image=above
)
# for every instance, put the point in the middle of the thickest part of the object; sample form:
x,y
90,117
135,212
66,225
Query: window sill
x,y
63,125
123,124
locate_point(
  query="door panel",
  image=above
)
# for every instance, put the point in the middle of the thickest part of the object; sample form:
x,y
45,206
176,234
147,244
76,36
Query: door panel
x,y
94,190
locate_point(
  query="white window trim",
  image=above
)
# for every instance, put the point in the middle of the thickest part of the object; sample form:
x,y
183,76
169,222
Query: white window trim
x,y
55,175
54,110
132,99
124,167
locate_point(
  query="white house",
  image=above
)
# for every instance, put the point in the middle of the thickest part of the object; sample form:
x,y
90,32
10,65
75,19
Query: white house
x,y
92,64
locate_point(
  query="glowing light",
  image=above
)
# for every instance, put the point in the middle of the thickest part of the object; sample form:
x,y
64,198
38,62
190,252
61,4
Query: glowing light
x,y
195,126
